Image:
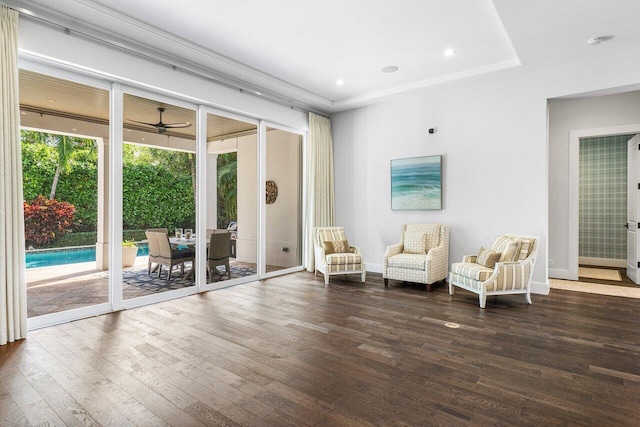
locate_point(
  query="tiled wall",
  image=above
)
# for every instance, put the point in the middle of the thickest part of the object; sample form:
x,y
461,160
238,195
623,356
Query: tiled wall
x,y
603,197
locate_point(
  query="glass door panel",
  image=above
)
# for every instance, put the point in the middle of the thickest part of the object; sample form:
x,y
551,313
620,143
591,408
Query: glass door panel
x,y
65,172
232,210
158,197
283,210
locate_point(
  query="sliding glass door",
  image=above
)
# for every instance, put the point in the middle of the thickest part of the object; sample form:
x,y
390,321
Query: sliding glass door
x,y
283,200
153,197
65,140
158,197
231,200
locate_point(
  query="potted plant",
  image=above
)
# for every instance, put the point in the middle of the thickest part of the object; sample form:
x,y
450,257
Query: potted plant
x,y
129,253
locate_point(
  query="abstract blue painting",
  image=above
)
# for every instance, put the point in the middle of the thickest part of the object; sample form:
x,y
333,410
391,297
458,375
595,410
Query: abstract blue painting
x,y
416,183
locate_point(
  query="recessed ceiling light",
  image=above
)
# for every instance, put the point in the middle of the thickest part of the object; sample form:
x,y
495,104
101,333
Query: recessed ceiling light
x,y
51,100
340,82
23,113
74,129
449,52
390,69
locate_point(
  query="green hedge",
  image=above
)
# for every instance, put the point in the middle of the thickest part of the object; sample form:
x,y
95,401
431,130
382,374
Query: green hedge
x,y
154,196
88,238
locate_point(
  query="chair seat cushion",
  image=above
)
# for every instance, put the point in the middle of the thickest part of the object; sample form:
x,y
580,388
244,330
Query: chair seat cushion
x,y
182,253
471,270
344,258
408,261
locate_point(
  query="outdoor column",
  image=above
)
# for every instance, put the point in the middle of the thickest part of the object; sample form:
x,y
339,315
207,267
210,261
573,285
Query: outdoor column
x,y
102,239
212,190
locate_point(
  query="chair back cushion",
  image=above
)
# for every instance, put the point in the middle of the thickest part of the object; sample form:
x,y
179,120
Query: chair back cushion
x,y
329,234
420,238
159,247
513,247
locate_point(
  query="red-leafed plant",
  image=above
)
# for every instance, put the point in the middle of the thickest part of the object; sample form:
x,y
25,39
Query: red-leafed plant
x,y
45,220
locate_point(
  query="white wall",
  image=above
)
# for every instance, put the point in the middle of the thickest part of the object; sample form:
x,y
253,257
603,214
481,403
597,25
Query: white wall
x,y
492,133
566,115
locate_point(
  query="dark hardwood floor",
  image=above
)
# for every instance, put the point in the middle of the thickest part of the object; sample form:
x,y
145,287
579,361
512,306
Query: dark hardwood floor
x,y
288,351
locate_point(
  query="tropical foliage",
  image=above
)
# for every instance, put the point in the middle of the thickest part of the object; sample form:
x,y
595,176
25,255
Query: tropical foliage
x,y
227,189
158,185
46,220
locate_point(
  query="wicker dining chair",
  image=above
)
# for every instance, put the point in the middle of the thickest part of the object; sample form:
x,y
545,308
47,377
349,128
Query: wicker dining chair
x,y
161,253
218,254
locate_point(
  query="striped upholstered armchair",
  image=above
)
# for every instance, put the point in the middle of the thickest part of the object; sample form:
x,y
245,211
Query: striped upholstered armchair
x,y
334,255
506,268
422,256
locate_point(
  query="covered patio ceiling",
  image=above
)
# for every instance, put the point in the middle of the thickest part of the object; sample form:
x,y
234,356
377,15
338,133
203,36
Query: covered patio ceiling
x,y
59,105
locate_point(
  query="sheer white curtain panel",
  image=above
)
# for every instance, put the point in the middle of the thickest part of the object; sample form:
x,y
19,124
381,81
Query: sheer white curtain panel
x,y
13,288
320,186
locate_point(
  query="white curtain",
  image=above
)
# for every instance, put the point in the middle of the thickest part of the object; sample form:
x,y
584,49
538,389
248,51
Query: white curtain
x,y
13,288
320,189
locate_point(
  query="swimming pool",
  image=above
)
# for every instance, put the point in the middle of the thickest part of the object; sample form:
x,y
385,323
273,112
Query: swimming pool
x,y
61,256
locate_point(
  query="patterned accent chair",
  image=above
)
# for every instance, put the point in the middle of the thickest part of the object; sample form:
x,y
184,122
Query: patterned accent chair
x,y
334,255
422,256
514,258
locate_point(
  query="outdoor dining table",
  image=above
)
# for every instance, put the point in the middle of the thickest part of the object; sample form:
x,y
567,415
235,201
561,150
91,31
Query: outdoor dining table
x,y
182,241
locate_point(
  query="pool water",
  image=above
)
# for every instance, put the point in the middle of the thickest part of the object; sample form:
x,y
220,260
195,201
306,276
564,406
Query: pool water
x,y
52,257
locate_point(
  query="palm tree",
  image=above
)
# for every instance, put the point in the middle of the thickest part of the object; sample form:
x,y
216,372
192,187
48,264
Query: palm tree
x,y
227,188
65,146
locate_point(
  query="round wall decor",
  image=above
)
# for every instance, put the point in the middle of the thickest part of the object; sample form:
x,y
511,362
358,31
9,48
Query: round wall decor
x,y
272,192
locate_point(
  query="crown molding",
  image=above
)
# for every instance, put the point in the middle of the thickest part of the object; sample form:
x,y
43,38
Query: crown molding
x,y
120,31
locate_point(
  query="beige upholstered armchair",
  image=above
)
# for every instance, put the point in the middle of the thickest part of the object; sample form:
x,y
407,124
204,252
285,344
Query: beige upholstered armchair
x,y
422,256
506,268
334,255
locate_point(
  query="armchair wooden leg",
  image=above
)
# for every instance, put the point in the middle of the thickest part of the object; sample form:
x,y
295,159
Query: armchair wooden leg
x,y
429,287
326,279
364,276
483,300
386,283
528,297
451,290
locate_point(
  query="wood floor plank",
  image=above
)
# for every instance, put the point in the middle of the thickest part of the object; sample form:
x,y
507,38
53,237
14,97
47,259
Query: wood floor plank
x,y
290,351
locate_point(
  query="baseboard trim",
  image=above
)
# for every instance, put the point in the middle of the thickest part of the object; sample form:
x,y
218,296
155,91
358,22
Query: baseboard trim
x,y
374,268
540,288
560,273
603,262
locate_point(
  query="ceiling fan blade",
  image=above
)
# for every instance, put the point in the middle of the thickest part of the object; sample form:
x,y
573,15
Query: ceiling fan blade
x,y
143,123
177,125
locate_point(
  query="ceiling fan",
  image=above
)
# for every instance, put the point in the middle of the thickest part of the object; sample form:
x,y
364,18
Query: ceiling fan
x,y
162,127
